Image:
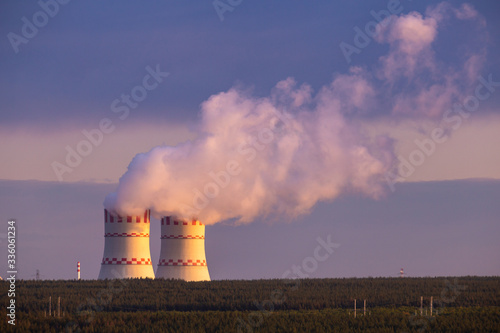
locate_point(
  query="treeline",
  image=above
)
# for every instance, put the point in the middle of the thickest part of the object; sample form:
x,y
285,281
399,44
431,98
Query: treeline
x,y
463,304
241,295
456,320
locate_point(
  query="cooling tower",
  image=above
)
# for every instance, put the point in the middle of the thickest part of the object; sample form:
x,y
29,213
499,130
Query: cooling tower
x,y
126,247
182,253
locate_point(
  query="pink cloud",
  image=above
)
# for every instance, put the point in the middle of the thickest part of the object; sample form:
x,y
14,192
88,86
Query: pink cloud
x,y
429,102
427,86
352,92
466,12
410,38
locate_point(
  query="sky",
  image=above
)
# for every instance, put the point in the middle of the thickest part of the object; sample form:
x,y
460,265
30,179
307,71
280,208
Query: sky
x,y
390,147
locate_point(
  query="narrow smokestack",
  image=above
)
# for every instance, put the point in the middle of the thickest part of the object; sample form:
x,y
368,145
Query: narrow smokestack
x,y
126,247
182,253
78,270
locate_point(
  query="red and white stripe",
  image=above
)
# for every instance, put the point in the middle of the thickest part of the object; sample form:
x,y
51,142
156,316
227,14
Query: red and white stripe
x,y
182,237
110,218
181,262
126,261
167,221
125,234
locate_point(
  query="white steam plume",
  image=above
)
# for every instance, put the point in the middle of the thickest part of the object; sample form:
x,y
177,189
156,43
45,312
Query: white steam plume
x,y
260,156
282,154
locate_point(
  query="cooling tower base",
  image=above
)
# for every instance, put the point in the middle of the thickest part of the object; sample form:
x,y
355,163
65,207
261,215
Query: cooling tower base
x,y
126,272
190,273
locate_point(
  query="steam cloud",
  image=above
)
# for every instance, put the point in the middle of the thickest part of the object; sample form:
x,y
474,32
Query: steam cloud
x,y
280,155
254,157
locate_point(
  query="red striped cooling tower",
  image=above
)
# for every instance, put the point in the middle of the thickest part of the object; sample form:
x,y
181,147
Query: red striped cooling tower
x,y
126,247
182,253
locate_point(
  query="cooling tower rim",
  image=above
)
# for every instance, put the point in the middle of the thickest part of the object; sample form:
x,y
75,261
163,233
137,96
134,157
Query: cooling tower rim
x,y
110,217
174,220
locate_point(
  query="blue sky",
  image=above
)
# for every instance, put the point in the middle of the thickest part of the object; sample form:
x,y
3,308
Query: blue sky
x,y
91,52
65,79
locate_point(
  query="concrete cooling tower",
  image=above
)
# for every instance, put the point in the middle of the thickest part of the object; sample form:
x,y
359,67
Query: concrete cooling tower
x,y
126,247
182,253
